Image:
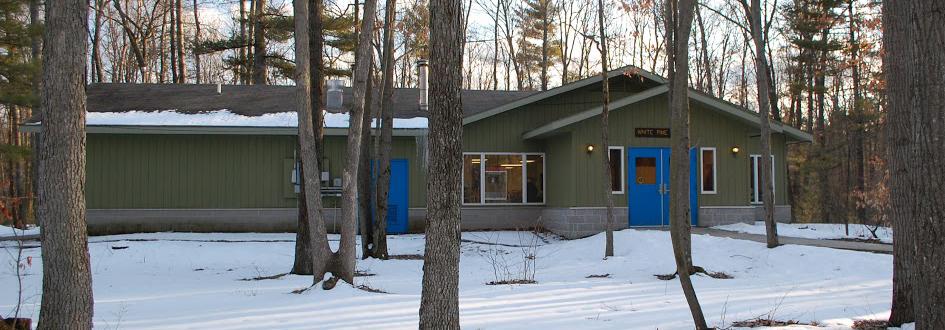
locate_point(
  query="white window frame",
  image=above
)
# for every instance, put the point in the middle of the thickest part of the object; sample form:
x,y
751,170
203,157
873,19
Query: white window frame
x,y
623,169
715,172
482,177
755,169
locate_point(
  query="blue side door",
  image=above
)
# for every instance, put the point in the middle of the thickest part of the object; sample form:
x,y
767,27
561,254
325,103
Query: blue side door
x,y
648,195
398,197
645,195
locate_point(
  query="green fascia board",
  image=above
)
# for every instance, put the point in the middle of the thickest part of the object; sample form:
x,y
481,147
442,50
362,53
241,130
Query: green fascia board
x,y
553,126
629,69
211,130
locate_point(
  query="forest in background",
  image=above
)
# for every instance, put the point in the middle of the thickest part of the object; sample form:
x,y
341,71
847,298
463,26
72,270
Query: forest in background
x,y
825,55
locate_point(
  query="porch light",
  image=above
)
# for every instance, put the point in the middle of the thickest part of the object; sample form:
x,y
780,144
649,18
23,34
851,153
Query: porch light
x,y
589,148
735,150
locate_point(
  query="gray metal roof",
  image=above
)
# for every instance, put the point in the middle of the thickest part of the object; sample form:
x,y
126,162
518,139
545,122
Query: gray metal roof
x,y
255,100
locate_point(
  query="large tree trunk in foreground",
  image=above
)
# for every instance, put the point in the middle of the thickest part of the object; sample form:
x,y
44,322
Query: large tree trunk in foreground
x,y
439,303
915,68
67,281
753,12
303,240
899,144
382,186
310,197
678,25
605,134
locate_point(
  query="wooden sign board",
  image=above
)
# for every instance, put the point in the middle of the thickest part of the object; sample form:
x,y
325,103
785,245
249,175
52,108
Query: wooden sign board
x,y
646,132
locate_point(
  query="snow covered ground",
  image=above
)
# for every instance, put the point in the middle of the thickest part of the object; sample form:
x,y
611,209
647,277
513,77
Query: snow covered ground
x,y
186,280
814,231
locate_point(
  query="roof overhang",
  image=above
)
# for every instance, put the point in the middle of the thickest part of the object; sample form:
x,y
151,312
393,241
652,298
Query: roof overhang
x,y
214,130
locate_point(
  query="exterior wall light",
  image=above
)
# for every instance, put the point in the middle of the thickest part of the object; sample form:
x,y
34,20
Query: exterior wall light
x,y
735,150
589,148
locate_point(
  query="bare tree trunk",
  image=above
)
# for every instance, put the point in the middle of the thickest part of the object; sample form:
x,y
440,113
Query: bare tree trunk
x,y
97,73
495,50
915,68
260,69
753,12
317,67
605,133
706,61
311,193
545,24
241,67
439,302
365,198
173,42
162,51
346,257
181,63
197,71
67,280
858,163
304,240
678,22
382,187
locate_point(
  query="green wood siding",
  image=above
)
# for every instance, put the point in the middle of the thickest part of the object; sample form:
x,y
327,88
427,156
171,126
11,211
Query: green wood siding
x,y
187,171
134,171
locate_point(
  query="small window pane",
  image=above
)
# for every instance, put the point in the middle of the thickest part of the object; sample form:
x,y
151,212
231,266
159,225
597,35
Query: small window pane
x,y
503,180
708,170
646,170
535,182
471,177
616,178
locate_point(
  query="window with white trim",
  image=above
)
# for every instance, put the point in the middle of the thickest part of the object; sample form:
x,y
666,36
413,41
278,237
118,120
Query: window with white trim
x,y
617,169
503,178
708,170
755,166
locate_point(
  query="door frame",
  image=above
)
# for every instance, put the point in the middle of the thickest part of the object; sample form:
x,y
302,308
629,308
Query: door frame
x,y
693,183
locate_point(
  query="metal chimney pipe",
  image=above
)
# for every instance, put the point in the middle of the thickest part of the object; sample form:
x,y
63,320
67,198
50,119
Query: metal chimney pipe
x,y
335,95
422,84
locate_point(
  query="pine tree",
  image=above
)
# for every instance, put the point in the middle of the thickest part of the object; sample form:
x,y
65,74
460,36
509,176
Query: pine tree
x,y
538,44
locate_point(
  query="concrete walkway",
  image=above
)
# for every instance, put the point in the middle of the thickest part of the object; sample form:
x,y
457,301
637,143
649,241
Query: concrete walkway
x,y
827,243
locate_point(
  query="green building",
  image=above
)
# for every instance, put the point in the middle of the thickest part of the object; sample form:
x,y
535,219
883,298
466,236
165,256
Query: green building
x,y
531,158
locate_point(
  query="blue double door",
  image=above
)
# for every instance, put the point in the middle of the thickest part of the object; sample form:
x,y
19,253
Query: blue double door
x,y
397,197
648,186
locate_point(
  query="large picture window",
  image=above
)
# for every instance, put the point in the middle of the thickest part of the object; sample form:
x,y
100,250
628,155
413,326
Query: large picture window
x,y
503,178
755,166
708,170
617,169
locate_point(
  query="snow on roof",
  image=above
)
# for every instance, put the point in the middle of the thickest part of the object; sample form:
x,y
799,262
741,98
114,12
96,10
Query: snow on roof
x,y
226,118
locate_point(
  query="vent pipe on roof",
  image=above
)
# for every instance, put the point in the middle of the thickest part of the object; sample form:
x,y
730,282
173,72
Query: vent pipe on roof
x,y
219,88
422,84
335,94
